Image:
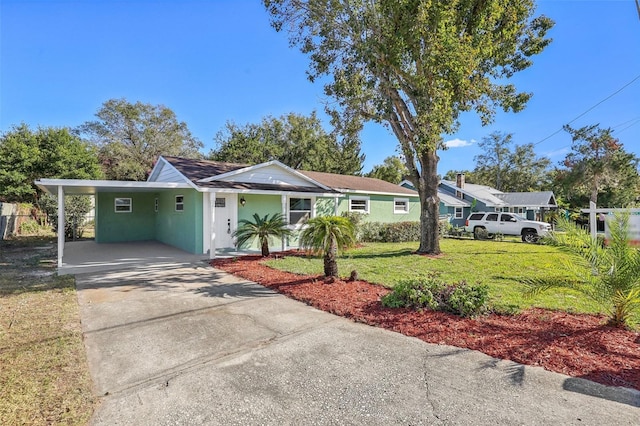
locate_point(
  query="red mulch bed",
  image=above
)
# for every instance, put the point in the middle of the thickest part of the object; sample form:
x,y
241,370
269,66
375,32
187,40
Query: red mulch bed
x,y
572,344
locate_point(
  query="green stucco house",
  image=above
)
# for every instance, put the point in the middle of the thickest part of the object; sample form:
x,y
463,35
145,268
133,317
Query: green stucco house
x,y
195,205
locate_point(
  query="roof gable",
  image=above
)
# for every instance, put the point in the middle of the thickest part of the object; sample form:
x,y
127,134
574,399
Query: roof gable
x,y
270,173
486,194
195,170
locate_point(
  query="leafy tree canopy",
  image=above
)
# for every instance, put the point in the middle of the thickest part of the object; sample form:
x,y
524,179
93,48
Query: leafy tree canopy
x,y
517,170
130,137
597,169
415,65
299,142
391,170
48,152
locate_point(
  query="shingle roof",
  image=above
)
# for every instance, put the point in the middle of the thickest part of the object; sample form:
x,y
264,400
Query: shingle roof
x,y
357,183
540,199
486,194
195,170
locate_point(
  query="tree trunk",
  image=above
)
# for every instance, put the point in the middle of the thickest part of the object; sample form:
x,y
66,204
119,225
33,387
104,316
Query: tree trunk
x,y
429,204
330,262
265,248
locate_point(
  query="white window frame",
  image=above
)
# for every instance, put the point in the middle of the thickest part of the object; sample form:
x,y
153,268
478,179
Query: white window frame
x,y
129,204
522,210
367,204
310,211
458,212
179,203
404,210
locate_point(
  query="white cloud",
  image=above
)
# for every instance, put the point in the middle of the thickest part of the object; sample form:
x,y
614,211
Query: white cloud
x,y
557,153
458,143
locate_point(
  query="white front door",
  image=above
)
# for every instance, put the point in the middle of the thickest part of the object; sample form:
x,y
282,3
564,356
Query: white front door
x,y
224,220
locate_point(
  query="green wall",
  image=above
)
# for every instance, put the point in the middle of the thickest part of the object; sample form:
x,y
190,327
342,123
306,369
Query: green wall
x,y
262,205
181,229
137,225
380,208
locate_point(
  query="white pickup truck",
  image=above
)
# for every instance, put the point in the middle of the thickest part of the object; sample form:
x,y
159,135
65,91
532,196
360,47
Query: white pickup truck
x,y
487,224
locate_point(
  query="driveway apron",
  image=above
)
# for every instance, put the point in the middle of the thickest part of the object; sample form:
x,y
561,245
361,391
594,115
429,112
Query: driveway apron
x,y
193,345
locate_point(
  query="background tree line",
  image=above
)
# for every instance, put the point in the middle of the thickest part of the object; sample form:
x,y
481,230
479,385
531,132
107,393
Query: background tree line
x,y
597,168
126,139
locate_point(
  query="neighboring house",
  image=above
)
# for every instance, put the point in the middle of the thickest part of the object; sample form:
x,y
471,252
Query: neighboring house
x,y
458,199
195,205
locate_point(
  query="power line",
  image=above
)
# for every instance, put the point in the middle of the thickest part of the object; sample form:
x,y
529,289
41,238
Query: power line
x,y
590,109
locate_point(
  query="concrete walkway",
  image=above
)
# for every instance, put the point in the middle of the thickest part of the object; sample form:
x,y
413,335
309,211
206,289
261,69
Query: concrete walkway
x,y
191,345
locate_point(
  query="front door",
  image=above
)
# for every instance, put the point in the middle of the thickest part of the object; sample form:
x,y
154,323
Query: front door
x,y
223,219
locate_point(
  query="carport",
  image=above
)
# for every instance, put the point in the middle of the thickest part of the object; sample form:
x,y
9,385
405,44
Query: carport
x,y
86,255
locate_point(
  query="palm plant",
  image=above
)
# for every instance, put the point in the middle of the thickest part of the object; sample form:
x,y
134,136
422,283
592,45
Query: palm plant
x,y
264,228
325,235
609,275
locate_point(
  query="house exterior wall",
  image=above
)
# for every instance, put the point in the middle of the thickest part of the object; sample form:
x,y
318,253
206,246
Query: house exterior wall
x,y
262,205
116,227
181,229
381,208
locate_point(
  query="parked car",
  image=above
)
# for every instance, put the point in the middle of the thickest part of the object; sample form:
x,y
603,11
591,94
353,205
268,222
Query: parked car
x,y
487,224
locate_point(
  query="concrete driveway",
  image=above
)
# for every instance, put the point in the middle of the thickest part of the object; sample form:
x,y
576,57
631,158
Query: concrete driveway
x,y
193,345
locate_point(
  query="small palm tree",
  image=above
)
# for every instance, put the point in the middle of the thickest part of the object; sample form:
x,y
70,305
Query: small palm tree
x,y
325,235
263,228
609,275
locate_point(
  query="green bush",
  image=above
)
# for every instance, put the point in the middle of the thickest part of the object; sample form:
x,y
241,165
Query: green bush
x,y
399,232
29,227
431,293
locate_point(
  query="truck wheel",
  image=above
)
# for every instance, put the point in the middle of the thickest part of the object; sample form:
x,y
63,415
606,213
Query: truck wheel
x,y
480,233
529,237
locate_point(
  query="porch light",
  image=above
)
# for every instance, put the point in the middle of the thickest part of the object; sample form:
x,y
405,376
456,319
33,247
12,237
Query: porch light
x,y
242,201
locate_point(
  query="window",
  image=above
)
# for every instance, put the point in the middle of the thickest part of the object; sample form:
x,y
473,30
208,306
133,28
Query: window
x,y
458,213
476,216
507,218
179,203
123,205
155,205
493,217
521,210
359,204
299,210
401,205
220,202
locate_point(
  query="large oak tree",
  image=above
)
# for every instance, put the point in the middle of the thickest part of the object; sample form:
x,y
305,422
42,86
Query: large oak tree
x,y
296,140
130,137
415,66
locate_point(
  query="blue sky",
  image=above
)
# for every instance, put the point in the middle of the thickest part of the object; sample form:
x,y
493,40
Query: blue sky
x,y
219,60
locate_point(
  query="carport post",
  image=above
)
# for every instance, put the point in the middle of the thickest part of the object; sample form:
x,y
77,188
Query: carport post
x,y
61,225
283,203
212,209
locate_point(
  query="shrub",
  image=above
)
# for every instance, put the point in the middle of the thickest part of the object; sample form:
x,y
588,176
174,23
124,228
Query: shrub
x,y
429,292
398,232
29,227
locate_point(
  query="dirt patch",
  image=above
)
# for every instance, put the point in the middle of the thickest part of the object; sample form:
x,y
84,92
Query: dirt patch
x,y
572,344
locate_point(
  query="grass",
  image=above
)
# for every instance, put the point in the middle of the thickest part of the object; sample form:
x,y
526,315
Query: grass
x,y
44,376
502,265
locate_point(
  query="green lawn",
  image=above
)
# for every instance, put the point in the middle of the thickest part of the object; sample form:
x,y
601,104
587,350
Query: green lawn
x,y
502,265
44,378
